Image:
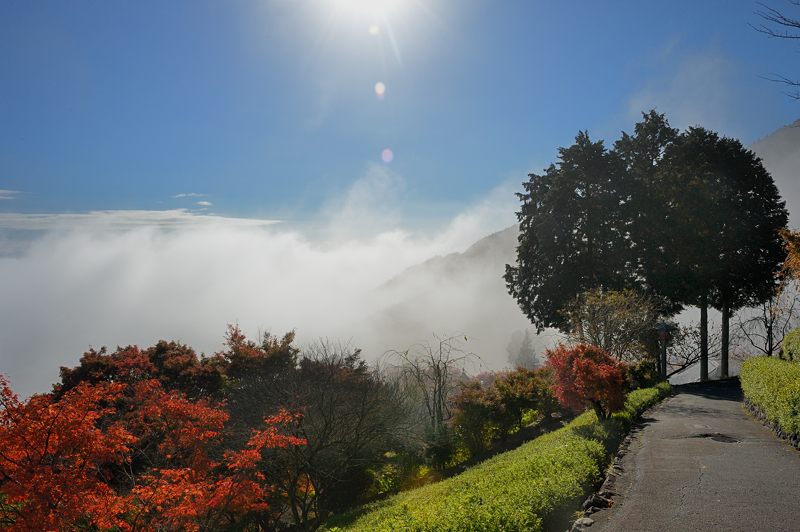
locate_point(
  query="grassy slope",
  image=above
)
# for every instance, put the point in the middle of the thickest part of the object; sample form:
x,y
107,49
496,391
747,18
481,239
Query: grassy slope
x,y
517,490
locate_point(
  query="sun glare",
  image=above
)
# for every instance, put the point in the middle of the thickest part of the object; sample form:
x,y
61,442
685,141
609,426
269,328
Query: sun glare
x,y
372,9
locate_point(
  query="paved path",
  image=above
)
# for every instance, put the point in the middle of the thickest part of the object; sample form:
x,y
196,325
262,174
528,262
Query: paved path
x,y
700,462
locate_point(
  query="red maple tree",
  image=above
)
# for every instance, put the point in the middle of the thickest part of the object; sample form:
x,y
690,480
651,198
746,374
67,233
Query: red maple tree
x,y
64,460
587,376
54,457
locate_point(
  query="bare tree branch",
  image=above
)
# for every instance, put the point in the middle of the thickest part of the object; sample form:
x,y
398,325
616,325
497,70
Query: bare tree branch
x,y
779,25
433,371
763,328
789,28
684,349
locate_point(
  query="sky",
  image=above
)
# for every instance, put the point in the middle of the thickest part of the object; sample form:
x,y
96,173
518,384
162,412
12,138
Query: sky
x,y
268,108
167,168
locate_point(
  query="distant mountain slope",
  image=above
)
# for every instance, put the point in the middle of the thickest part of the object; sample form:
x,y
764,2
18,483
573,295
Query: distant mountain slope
x,y
465,292
781,154
456,294
489,254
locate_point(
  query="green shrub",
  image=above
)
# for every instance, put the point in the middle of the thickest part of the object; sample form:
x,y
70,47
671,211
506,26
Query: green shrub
x,y
773,385
642,374
516,490
484,413
790,348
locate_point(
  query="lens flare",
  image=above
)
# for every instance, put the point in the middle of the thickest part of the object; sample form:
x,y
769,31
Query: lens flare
x,y
374,29
387,155
380,90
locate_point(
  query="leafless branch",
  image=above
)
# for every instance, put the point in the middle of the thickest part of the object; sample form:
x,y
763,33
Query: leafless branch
x,y
788,27
779,25
764,327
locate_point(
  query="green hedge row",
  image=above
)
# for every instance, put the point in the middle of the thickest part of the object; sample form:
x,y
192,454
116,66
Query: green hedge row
x,y
790,348
516,490
773,385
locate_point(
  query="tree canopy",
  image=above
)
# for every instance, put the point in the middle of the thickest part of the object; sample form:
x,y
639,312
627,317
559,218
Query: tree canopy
x,y
689,218
572,233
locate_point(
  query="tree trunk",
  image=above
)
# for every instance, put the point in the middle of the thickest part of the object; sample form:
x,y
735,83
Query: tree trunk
x,y
703,338
598,408
770,321
723,351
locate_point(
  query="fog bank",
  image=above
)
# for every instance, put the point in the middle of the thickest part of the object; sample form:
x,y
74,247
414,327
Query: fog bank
x,y
133,277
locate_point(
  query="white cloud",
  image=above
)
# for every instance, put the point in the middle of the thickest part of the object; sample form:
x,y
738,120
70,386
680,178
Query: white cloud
x,y
6,194
189,195
123,277
204,203
369,206
121,220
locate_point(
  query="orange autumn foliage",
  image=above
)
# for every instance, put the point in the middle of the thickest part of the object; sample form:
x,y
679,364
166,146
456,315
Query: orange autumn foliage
x,y
53,458
791,241
58,458
182,428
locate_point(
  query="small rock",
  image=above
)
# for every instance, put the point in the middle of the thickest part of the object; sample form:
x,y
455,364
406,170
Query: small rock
x,y
595,502
601,501
585,521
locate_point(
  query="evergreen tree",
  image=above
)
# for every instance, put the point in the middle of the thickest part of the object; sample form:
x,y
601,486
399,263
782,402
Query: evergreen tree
x,y
572,233
752,249
721,246
645,209
692,218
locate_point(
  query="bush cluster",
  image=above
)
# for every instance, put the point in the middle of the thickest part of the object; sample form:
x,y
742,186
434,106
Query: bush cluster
x,y
517,490
484,413
773,385
790,348
166,439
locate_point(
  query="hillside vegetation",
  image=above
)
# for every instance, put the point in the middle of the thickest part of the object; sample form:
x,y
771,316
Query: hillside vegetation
x,y
773,386
519,490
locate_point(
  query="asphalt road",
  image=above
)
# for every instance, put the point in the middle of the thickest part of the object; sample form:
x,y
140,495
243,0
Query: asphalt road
x,y
700,462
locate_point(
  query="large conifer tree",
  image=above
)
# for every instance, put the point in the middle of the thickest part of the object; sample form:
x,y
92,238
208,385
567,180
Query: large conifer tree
x,y
692,218
572,233
725,215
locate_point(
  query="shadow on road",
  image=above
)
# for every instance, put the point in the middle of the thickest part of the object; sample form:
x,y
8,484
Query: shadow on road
x,y
727,390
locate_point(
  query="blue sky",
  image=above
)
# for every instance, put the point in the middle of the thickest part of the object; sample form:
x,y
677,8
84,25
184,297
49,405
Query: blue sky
x,y
268,108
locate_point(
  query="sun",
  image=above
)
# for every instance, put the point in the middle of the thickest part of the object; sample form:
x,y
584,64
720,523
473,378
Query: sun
x,y
375,10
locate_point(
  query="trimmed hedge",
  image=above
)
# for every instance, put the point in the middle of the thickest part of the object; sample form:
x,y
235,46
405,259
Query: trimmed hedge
x,y
773,385
517,490
790,348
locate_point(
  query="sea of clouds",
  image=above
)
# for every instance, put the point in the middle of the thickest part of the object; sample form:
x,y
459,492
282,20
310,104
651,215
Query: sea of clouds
x,y
74,281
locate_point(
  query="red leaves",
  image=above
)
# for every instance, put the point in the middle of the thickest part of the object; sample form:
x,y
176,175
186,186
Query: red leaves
x,y
56,456
184,499
267,438
585,375
53,456
185,428
191,498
